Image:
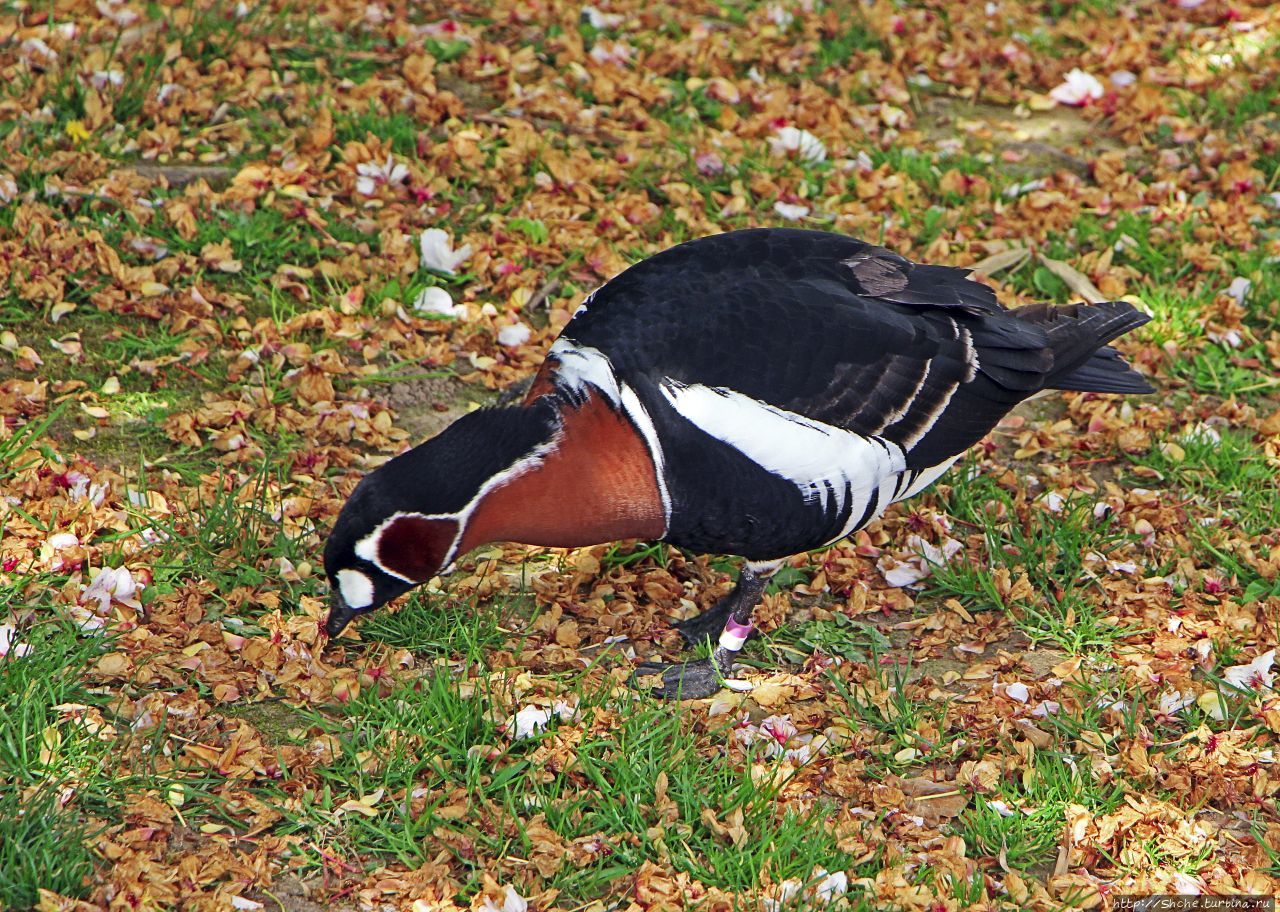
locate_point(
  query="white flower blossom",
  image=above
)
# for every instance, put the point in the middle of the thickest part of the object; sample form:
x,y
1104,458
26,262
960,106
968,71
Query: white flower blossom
x,y
1201,433
1017,691
514,334
788,890
1001,808
529,721
1186,885
533,719
435,300
1256,675
512,902
100,79
436,252
117,12
61,540
790,211
1239,289
599,20
112,584
1079,89
9,633
374,175
779,15
617,53
792,139
900,573
832,886
1173,702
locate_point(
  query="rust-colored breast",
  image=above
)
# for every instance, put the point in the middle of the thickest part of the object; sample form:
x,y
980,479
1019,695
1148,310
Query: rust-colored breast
x,y
598,485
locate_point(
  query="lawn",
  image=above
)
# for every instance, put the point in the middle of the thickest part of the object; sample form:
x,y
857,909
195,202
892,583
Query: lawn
x,y
250,250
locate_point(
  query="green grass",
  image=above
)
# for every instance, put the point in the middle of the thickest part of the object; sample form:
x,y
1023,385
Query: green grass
x,y
229,534
1067,606
1232,486
1028,838
886,704
51,786
440,625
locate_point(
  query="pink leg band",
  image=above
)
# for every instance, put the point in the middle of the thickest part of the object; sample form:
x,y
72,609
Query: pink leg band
x,y
735,634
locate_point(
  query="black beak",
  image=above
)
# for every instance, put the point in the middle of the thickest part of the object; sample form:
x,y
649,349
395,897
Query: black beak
x,y
340,614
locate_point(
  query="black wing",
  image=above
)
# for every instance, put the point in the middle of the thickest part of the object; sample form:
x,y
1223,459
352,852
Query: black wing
x,y
829,327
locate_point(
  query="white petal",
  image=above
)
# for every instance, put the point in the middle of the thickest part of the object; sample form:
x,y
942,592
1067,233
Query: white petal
x,y
529,721
1078,89
1255,675
514,334
1001,808
1239,288
1017,691
435,300
8,633
514,902
438,253
802,142
1186,885
833,886
790,211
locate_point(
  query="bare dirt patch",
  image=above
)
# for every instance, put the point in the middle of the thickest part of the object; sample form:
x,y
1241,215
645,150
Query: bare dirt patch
x,y
1040,142
425,406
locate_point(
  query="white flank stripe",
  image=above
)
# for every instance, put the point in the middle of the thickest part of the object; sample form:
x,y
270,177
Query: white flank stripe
x,y
818,458
926,478
581,364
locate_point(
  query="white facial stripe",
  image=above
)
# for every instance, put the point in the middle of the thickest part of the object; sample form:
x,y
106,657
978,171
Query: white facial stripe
x,y
356,588
367,547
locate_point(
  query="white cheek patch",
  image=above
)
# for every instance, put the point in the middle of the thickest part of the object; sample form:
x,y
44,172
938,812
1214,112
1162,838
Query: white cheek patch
x,y
356,588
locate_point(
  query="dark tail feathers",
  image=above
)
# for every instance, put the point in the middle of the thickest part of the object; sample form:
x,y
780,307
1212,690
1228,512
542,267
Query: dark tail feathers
x,y
1078,336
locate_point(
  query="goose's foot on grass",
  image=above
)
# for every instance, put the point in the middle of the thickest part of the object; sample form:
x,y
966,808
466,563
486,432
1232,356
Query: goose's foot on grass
x,y
693,680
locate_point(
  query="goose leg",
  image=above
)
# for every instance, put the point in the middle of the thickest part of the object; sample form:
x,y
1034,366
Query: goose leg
x,y
701,678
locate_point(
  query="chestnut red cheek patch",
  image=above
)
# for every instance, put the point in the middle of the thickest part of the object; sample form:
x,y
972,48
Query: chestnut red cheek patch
x,y
416,547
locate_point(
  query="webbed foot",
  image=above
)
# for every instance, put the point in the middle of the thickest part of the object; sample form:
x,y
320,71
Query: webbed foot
x,y
682,681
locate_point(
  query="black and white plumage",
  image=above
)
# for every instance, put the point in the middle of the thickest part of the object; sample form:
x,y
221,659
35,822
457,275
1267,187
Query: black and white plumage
x,y
800,381
759,393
